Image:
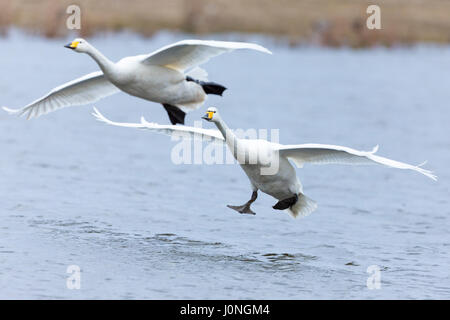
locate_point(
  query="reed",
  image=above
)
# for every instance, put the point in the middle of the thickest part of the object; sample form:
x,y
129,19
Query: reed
x,y
326,22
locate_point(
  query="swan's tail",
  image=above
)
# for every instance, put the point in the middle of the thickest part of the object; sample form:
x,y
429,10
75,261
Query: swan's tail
x,y
303,207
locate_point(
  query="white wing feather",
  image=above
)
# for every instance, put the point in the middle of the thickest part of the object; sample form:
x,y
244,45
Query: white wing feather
x,y
187,54
182,131
87,89
328,154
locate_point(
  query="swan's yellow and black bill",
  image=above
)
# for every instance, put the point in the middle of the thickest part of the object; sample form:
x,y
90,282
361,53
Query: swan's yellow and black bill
x,y
72,45
208,115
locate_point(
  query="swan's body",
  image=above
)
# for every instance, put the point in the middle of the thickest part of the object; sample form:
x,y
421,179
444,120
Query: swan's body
x,y
169,76
257,159
280,185
157,84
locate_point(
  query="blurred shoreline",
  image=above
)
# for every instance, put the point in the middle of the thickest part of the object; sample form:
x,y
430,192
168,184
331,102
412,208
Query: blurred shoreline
x,y
331,23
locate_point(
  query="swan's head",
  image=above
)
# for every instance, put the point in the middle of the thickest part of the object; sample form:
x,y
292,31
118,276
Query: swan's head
x,y
211,115
78,45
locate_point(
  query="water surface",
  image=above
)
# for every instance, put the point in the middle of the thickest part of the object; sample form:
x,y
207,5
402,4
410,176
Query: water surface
x,y
75,191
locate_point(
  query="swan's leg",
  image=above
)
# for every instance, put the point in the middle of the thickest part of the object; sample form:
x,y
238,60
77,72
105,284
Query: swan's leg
x,y
245,208
286,203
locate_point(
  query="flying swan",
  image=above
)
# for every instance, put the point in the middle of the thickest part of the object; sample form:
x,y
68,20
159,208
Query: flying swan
x,y
283,184
169,76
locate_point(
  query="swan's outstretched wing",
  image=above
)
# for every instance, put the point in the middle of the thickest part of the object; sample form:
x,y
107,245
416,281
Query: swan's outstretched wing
x,y
327,154
87,89
187,54
182,131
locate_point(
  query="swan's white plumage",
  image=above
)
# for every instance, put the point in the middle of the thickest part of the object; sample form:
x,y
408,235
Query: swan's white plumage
x,y
187,54
329,154
159,77
87,89
284,183
183,131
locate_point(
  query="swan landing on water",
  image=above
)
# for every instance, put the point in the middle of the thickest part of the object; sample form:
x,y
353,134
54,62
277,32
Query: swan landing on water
x,y
284,184
169,76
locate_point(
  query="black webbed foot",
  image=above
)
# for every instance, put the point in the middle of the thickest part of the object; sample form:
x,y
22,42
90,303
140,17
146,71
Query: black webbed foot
x,y
285,203
176,115
244,209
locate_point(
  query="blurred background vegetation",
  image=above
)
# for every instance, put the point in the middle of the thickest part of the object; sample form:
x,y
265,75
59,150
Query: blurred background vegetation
x,y
325,22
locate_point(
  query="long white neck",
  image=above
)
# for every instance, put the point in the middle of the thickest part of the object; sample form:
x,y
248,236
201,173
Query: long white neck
x,y
230,138
103,62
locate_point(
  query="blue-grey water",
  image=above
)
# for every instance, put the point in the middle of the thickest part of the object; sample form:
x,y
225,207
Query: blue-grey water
x,y
74,191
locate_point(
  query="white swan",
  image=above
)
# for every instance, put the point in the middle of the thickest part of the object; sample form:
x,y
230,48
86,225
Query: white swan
x,y
169,76
283,183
